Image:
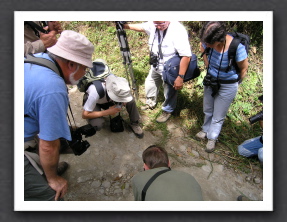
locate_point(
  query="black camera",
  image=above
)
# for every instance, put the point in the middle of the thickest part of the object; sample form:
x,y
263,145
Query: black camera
x,y
258,116
153,60
211,81
119,104
78,145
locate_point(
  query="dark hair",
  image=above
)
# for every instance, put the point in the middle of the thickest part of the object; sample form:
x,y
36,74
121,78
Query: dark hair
x,y
155,156
213,32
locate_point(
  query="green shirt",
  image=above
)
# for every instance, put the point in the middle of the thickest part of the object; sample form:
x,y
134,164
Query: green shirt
x,y
170,186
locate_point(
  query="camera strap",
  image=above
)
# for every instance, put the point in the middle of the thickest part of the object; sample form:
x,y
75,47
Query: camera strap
x,y
71,115
159,41
36,28
150,182
220,60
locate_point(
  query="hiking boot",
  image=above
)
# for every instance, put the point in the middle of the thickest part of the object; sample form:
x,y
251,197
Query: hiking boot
x,y
135,126
210,146
163,117
62,167
243,198
201,135
146,107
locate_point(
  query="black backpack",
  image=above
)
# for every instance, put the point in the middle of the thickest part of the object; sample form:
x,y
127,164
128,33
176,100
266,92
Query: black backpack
x,y
237,38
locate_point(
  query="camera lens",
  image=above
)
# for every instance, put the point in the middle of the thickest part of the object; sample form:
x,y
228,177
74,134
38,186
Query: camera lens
x,y
257,117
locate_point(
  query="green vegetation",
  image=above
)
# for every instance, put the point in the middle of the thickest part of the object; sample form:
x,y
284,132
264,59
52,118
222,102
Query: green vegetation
x,y
189,112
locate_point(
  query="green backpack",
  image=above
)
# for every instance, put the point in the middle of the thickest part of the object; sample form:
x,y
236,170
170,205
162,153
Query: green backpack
x,y
97,73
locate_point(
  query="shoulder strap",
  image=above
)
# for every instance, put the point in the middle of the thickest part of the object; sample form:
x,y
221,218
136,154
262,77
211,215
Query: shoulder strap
x,y
42,62
99,88
159,42
206,51
34,26
232,53
50,65
151,180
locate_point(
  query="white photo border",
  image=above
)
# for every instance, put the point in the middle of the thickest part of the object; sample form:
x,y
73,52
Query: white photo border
x,y
265,16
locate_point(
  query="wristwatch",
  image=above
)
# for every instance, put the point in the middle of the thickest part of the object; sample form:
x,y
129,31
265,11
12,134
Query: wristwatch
x,y
181,76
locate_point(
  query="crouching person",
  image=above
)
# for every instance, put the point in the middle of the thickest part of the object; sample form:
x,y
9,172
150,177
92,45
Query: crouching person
x,y
45,112
116,93
159,183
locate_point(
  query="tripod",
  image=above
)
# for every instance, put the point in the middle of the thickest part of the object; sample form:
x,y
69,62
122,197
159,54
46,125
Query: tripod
x,y
125,51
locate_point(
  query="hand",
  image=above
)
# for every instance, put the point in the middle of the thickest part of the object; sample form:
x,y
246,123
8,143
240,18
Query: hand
x,y
240,81
60,185
55,26
120,24
178,83
114,110
48,39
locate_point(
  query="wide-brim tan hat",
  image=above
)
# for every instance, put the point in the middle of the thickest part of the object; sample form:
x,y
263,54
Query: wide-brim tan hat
x,y
118,89
74,47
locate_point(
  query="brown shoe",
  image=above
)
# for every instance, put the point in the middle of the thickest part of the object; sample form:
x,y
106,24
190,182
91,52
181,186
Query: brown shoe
x,y
163,117
62,167
135,126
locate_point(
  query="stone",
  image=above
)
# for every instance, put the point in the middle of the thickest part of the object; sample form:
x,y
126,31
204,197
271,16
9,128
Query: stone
x,y
83,179
219,168
195,153
117,191
106,139
248,178
206,168
106,184
182,148
256,180
96,183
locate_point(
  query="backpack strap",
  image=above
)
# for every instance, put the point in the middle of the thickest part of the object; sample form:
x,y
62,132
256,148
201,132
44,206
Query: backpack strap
x,y
42,62
151,180
206,51
99,88
232,53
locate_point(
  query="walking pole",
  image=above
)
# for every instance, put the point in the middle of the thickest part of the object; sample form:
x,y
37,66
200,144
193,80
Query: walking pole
x,y
125,51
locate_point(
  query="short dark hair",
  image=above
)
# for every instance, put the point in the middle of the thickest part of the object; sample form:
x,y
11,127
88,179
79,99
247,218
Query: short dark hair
x,y
155,156
213,32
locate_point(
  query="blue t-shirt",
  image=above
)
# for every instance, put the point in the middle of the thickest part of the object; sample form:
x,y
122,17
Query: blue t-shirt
x,y
45,102
215,63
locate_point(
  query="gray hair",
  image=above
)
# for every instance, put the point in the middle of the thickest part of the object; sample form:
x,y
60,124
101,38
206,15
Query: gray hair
x,y
55,57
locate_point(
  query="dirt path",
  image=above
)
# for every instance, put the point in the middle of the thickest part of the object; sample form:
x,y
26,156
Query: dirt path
x,y
104,171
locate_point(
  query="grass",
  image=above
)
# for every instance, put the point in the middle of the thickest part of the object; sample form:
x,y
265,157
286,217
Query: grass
x,y
236,127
